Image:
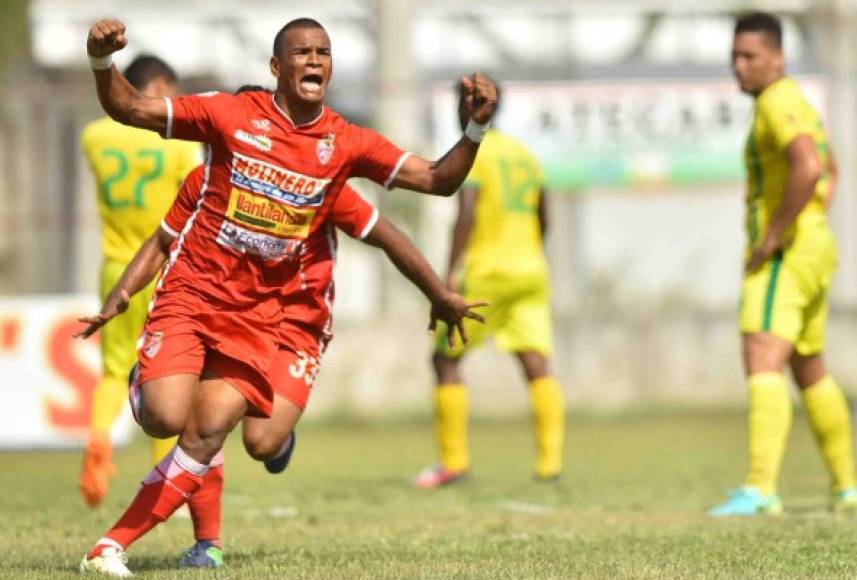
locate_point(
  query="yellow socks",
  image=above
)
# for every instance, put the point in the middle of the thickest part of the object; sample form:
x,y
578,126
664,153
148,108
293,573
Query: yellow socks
x,y
452,407
107,402
160,448
830,419
548,407
769,421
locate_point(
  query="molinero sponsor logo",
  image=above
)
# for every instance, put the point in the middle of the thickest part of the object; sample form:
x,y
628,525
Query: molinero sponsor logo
x,y
255,243
272,217
278,183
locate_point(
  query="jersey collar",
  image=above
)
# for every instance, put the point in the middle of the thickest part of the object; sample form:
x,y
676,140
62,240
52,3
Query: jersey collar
x,y
289,119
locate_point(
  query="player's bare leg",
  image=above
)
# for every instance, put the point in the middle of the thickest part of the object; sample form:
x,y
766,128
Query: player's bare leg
x,y
162,406
451,411
548,409
272,439
830,418
769,421
217,408
203,437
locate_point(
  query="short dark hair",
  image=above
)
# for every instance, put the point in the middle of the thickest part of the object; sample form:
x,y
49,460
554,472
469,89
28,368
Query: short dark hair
x,y
249,89
146,68
768,24
291,25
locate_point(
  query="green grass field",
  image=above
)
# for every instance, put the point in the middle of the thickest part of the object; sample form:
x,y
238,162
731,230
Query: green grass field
x,y
630,506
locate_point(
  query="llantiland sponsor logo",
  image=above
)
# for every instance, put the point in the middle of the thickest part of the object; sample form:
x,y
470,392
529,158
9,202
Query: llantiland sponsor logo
x,y
273,217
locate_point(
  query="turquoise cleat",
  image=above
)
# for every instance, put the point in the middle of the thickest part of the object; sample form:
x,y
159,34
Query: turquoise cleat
x,y
845,501
748,501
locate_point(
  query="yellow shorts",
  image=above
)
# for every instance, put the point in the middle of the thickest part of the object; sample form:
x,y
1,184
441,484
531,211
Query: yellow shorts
x,y
119,336
787,297
519,316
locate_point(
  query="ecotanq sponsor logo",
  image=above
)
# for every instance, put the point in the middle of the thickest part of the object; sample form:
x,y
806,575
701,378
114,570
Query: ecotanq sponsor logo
x,y
255,243
277,183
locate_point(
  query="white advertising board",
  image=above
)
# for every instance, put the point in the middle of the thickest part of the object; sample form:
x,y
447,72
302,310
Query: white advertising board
x,y
48,377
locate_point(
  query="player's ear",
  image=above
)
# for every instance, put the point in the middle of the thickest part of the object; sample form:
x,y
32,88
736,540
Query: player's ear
x,y
275,67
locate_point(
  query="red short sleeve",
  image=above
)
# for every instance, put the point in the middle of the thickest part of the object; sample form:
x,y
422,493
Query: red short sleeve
x,y
198,117
352,214
185,203
376,158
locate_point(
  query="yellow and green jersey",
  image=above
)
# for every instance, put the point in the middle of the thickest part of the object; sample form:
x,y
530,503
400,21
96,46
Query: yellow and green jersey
x,y
780,114
506,236
138,175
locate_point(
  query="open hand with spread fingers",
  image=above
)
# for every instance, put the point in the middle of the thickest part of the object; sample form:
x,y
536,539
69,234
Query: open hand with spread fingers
x,y
452,309
116,303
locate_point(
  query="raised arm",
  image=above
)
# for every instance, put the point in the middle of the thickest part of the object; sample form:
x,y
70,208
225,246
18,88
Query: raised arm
x,y
445,304
120,100
445,176
147,262
804,171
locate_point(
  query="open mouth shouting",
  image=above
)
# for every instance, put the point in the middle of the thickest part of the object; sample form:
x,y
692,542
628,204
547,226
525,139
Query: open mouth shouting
x,y
312,85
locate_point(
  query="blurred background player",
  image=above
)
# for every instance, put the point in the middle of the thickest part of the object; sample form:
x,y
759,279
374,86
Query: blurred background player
x,y
137,175
499,235
792,257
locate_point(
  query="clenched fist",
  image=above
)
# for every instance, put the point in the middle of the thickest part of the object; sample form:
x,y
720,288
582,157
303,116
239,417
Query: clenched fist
x,y
480,97
105,38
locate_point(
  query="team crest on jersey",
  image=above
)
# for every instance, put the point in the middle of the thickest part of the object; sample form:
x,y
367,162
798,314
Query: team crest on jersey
x,y
261,124
324,149
152,343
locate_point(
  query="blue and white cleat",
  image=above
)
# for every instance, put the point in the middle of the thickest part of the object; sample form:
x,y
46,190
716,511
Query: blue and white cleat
x,y
845,501
748,501
203,554
280,463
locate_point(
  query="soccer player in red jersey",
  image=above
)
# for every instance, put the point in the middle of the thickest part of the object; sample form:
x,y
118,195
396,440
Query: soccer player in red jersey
x,y
214,349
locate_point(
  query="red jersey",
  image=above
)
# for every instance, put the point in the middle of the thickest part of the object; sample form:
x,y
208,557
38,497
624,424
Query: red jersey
x,y
265,201
309,308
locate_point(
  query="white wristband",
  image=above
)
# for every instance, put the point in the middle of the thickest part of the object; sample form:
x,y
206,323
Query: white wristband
x,y
101,62
476,132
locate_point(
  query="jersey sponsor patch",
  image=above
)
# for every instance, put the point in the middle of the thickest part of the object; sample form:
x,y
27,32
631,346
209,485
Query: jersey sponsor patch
x,y
264,214
255,243
277,183
261,142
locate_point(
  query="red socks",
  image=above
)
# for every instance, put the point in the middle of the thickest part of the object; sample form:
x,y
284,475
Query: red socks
x,y
205,504
170,484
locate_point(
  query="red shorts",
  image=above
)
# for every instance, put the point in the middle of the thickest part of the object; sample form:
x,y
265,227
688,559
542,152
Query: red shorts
x,y
175,344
